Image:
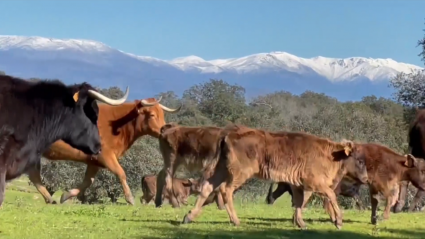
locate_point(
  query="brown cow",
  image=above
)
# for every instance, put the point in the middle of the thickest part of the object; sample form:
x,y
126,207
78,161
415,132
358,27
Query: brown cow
x,y
417,149
182,188
308,162
192,147
345,188
386,169
119,127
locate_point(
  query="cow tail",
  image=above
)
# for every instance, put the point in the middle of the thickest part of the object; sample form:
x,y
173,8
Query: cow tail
x,y
223,151
225,156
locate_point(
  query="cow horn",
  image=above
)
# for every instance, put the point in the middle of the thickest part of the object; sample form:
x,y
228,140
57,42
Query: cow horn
x,y
165,108
109,101
146,103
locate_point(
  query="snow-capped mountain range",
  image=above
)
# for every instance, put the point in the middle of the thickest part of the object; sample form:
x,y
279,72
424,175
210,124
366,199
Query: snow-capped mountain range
x,y
73,60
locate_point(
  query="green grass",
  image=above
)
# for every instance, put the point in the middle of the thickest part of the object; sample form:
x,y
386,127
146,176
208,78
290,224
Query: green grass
x,y
25,215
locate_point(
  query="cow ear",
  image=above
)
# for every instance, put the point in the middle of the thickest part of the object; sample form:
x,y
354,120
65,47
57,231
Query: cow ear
x,y
411,161
190,181
139,106
76,96
346,145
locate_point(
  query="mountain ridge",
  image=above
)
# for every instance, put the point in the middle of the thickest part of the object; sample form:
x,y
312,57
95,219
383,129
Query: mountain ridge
x,y
93,61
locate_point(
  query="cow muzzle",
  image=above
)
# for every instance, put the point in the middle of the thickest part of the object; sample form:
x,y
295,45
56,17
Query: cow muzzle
x,y
95,156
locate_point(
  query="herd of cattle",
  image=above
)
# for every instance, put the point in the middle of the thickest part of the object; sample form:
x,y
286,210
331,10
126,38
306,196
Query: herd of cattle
x,y
61,122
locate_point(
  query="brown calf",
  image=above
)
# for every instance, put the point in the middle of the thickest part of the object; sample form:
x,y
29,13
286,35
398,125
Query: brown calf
x,y
309,163
195,148
119,127
182,188
417,149
386,169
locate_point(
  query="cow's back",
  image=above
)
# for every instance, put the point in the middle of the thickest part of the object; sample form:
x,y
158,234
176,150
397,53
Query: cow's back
x,y
284,156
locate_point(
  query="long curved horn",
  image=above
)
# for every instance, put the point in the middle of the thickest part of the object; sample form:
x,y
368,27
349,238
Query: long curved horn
x,y
107,100
146,103
165,108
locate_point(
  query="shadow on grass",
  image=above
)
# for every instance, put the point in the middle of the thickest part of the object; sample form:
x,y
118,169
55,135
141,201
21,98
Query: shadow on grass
x,y
188,233
307,220
178,223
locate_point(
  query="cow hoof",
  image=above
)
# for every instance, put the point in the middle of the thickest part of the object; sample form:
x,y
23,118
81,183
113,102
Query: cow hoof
x,y
235,223
374,221
65,196
338,225
397,209
130,200
54,202
186,220
158,204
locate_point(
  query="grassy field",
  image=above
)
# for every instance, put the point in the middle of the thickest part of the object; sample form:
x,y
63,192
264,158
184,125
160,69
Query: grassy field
x,y
25,215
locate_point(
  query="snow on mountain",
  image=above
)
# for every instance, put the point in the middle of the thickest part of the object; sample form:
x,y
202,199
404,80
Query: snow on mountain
x,y
75,60
332,68
42,43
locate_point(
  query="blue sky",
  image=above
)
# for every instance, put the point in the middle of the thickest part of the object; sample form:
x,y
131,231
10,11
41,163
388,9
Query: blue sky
x,y
225,28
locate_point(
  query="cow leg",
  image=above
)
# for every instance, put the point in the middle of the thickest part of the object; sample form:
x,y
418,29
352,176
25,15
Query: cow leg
x,y
160,187
207,187
402,197
359,202
217,198
164,184
2,186
391,200
374,201
219,201
330,194
116,169
165,179
227,191
281,189
418,197
35,178
91,172
301,198
270,198
328,209
146,198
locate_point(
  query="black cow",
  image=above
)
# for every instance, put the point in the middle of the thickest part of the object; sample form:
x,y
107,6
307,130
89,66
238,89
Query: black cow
x,y
417,149
33,115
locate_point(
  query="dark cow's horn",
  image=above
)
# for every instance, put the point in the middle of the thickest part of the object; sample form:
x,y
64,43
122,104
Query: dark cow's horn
x,y
107,100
